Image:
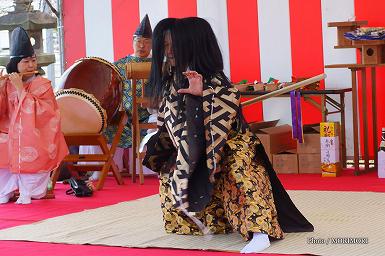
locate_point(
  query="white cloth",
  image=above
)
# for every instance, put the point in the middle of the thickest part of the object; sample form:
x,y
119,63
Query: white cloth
x,y
150,132
142,146
8,184
30,185
259,243
153,118
118,157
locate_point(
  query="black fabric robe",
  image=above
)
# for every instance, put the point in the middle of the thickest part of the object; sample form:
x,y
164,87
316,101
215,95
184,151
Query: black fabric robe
x,y
161,154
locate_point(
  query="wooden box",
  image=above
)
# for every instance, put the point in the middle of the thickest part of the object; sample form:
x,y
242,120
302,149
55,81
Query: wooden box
x,y
242,87
373,54
259,87
271,87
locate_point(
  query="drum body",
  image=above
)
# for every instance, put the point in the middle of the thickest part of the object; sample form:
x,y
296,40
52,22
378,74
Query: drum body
x,y
98,77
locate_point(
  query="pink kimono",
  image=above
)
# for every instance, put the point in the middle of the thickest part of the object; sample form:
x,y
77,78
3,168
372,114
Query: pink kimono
x,y
31,143
30,137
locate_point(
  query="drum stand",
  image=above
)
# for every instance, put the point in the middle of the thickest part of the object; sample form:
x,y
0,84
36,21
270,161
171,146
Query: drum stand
x,y
106,158
138,71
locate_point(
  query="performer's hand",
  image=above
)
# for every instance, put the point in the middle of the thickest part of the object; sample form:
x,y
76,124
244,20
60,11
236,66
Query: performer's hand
x,y
195,83
16,80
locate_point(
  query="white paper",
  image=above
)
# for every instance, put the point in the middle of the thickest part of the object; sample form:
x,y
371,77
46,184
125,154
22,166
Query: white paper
x,y
330,150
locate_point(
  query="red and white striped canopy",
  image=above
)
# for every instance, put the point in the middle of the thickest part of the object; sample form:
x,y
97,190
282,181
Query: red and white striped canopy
x,y
258,38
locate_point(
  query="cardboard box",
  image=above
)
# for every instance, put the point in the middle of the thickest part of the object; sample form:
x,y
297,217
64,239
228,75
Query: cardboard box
x,y
275,139
286,162
256,126
309,163
270,156
311,140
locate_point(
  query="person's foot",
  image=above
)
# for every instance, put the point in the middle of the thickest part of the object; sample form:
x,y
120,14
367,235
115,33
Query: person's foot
x,y
258,243
23,200
5,199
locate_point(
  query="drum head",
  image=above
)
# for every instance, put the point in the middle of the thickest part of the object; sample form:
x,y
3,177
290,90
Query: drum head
x,y
80,112
98,77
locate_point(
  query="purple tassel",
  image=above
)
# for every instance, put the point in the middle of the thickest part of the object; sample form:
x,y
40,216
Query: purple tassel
x,y
296,115
299,118
293,114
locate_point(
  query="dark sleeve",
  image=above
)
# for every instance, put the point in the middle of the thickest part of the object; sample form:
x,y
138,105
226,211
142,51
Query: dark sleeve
x,y
195,129
161,153
200,188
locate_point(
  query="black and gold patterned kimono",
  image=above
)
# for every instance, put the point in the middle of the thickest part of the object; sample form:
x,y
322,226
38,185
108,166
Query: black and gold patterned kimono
x,y
211,165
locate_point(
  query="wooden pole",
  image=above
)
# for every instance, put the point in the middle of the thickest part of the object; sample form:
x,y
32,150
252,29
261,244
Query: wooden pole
x,y
285,90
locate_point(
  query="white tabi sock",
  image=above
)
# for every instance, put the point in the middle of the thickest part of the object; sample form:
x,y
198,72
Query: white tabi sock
x,y
23,200
5,199
258,243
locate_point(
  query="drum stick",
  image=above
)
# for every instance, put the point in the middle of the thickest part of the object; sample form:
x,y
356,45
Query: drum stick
x,y
285,89
22,74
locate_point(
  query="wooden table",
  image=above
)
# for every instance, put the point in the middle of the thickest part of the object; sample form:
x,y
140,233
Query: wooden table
x,y
325,99
355,68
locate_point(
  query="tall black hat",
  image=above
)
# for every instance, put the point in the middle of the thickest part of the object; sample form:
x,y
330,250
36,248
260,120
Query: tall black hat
x,y
144,28
20,44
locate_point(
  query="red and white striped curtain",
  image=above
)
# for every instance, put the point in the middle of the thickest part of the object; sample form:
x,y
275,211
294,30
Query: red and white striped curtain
x,y
258,38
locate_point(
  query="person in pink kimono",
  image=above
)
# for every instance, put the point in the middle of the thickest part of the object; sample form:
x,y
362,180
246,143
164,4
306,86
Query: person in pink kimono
x,y
31,142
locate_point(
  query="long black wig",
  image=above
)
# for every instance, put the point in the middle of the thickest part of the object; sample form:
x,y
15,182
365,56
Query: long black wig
x,y
194,46
155,88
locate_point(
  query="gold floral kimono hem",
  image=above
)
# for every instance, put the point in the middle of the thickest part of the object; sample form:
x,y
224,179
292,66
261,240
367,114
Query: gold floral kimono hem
x,y
242,199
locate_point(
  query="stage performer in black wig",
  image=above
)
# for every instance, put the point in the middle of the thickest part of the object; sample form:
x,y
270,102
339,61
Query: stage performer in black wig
x,y
215,176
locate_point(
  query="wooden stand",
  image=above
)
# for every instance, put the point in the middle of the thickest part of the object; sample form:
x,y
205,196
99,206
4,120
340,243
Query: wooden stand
x,y
138,71
355,68
372,51
342,28
106,158
372,56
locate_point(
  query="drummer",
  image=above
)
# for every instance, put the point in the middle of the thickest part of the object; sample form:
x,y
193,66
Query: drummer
x,y
142,43
28,113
